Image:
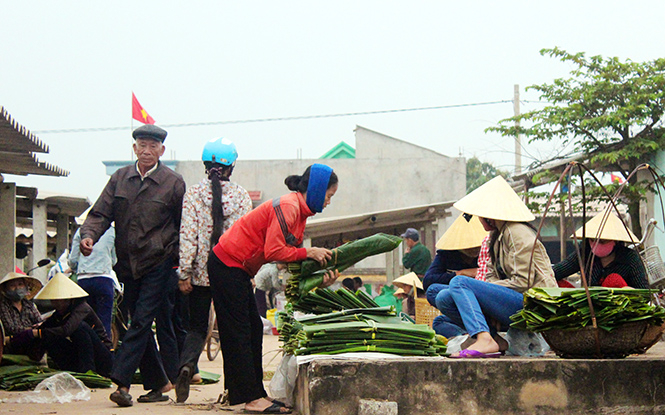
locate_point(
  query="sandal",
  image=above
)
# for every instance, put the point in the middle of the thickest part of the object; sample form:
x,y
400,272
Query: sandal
x,y
154,395
121,398
272,409
182,384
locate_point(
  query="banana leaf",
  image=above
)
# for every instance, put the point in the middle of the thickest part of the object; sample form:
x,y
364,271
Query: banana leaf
x,y
308,274
568,308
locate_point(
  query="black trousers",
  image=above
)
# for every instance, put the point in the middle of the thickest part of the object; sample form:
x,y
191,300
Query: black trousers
x,y
240,331
148,298
83,350
199,311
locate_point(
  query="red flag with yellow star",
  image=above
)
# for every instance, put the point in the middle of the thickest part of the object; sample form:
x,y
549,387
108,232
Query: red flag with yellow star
x,y
138,113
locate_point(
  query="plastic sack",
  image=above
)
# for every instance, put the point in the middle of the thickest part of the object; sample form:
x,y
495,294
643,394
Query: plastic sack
x,y
270,315
60,266
283,381
59,388
267,326
455,343
525,343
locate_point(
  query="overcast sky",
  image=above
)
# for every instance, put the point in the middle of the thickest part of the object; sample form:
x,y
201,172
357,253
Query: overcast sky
x,y
73,65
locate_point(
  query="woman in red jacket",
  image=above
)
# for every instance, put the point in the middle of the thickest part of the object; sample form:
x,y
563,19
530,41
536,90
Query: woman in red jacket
x,y
271,232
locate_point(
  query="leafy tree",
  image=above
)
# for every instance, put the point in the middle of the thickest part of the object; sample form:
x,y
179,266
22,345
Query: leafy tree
x,y
478,172
608,110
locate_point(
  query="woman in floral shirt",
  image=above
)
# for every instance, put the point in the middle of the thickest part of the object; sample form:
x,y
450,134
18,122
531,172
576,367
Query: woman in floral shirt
x,y
209,209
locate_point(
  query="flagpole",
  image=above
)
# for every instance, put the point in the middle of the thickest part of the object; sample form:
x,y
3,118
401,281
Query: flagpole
x,y
131,128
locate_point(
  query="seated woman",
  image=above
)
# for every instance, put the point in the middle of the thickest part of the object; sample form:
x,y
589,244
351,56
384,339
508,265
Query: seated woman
x,y
410,284
18,313
73,336
457,254
483,308
614,265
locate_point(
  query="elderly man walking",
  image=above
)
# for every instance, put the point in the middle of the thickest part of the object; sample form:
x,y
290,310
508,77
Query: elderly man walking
x,y
145,201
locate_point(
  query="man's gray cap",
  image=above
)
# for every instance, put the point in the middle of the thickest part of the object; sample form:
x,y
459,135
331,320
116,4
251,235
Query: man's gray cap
x,y
150,131
412,234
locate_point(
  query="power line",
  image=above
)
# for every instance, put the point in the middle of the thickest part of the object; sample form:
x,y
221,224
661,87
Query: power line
x,y
257,120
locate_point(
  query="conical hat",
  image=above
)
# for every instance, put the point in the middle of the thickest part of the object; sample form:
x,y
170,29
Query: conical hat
x,y
409,279
33,284
463,234
60,288
398,292
612,231
495,200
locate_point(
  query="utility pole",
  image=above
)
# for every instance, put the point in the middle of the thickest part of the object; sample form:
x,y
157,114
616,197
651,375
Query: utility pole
x,y
518,137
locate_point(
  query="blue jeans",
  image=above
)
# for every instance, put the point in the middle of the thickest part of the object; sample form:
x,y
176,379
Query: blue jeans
x,y
100,297
471,303
442,324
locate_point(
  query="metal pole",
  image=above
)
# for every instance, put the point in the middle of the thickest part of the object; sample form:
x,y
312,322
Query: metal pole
x,y
518,137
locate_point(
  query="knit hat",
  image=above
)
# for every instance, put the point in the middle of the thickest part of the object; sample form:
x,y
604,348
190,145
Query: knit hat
x,y
495,200
612,231
60,288
33,284
463,234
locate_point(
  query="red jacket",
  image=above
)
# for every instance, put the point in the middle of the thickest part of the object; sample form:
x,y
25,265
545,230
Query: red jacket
x,y
256,238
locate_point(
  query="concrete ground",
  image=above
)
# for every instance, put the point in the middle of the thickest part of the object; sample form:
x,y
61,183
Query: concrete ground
x,y
201,398
422,385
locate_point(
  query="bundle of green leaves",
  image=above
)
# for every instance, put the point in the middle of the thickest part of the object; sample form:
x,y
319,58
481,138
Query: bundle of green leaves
x,y
360,330
568,308
22,374
325,300
308,274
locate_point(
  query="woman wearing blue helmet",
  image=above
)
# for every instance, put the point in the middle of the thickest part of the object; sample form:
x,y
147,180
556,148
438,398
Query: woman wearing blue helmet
x,y
209,208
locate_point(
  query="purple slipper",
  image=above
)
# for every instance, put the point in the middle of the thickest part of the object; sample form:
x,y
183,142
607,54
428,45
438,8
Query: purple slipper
x,y
475,354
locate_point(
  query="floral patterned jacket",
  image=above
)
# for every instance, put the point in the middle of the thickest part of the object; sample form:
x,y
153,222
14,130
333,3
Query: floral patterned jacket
x,y
196,225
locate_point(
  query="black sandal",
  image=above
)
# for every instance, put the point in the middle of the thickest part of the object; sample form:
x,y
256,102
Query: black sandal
x,y
154,395
272,409
121,398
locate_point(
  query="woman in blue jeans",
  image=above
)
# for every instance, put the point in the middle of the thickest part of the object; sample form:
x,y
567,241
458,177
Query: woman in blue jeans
x,y
483,307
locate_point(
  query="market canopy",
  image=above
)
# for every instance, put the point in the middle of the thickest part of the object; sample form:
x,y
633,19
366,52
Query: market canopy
x,y
17,148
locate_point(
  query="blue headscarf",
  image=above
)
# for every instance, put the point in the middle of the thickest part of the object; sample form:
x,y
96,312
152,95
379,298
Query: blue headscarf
x,y
319,176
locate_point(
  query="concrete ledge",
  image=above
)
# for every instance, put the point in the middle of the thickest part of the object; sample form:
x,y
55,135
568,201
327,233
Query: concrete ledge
x,y
508,385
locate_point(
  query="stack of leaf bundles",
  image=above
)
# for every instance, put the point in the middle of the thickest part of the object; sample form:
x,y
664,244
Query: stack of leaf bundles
x,y
375,329
568,308
308,274
325,300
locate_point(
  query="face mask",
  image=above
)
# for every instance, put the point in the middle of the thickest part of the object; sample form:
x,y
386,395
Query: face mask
x,y
16,295
602,250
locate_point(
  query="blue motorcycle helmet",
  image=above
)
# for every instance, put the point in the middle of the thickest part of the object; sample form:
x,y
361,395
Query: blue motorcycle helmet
x,y
220,150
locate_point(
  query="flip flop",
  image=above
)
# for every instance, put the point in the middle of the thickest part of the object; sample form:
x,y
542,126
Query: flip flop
x,y
280,403
475,354
272,409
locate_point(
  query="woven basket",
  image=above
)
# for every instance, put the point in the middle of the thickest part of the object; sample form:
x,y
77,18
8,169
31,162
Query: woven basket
x,y
425,313
581,343
652,335
653,263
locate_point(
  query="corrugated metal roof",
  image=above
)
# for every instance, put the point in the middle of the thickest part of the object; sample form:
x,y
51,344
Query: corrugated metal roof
x,y
17,148
378,221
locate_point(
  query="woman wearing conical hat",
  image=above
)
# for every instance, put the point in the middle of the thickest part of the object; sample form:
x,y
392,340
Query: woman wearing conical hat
x,y
74,337
614,265
410,284
457,254
18,314
473,304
